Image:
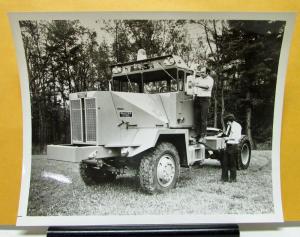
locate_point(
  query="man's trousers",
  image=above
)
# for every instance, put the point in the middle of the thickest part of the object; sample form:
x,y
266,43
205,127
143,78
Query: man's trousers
x,y
201,105
229,162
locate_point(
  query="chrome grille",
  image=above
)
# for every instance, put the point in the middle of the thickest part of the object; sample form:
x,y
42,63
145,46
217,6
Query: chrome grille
x,y
90,112
83,120
76,120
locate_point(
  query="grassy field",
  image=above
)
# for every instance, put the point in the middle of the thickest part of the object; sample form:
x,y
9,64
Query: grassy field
x,y
57,189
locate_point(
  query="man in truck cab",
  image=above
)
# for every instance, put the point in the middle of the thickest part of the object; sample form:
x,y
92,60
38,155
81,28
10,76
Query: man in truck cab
x,y
203,85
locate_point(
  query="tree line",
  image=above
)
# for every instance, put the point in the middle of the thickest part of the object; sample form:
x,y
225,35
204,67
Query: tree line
x,y
65,56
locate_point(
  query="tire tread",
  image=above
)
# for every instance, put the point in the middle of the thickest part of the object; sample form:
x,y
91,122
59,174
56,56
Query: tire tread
x,y
147,166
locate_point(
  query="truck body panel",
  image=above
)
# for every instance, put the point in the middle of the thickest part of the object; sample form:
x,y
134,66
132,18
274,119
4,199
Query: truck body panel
x,y
179,109
107,121
108,117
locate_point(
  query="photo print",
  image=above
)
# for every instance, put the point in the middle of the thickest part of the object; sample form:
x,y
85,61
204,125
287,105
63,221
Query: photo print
x,y
147,118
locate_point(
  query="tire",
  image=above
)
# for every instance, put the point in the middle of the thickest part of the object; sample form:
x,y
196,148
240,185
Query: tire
x,y
93,176
244,154
159,168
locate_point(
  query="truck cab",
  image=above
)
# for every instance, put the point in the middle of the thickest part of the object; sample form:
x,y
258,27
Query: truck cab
x,y
164,76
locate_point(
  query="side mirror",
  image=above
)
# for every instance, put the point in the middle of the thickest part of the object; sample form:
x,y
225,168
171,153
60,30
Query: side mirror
x,y
189,89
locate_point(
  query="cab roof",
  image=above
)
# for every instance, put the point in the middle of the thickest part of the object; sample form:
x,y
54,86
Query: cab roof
x,y
151,69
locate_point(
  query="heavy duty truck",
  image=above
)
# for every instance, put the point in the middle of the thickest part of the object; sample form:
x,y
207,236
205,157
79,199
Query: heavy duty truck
x,y
144,121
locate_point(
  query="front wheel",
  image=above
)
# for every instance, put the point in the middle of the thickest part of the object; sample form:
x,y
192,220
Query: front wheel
x,y
244,154
159,168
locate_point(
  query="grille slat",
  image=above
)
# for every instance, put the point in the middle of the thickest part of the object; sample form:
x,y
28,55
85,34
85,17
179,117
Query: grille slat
x,y
76,120
83,118
90,119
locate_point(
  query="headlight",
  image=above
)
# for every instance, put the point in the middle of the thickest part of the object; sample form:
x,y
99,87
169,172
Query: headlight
x,y
117,70
93,155
124,151
169,61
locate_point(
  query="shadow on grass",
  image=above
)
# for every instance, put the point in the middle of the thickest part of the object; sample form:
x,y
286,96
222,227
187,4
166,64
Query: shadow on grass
x,y
128,182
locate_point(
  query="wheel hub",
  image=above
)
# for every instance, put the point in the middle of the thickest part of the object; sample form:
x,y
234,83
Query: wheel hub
x,y
245,154
165,170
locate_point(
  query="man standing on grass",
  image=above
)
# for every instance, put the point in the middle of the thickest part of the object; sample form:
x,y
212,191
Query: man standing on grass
x,y
202,90
233,135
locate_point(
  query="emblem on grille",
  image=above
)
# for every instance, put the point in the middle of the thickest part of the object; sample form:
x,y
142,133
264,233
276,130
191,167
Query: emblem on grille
x,y
125,114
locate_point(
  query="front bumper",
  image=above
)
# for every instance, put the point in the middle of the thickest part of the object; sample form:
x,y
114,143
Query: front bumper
x,y
73,153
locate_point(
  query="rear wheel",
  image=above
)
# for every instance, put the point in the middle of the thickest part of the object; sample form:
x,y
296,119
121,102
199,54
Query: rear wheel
x,y
244,154
92,175
159,168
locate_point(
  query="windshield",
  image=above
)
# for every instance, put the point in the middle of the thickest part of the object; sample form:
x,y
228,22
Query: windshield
x,y
154,82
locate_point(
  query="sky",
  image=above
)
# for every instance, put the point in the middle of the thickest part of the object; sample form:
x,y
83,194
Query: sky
x,y
195,32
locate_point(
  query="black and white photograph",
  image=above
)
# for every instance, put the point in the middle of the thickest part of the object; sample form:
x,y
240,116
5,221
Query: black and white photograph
x,y
162,118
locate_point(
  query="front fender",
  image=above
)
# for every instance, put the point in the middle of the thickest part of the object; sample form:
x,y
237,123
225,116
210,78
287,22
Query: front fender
x,y
149,137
